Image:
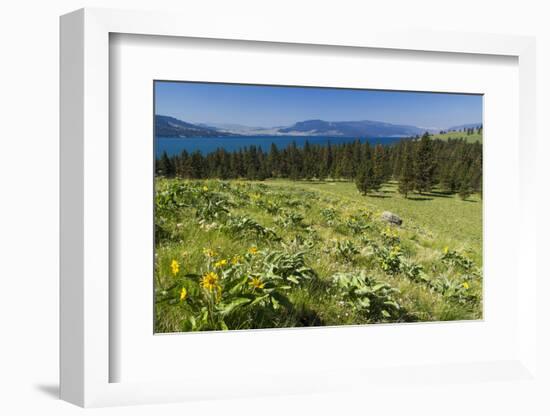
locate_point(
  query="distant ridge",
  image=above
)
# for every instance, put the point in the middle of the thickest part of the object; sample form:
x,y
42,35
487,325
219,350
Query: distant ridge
x,y
362,128
166,126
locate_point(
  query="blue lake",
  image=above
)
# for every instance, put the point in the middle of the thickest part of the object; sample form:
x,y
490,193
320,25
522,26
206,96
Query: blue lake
x,y
175,145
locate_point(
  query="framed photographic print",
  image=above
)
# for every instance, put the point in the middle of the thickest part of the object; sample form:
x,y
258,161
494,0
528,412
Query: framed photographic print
x,y
290,212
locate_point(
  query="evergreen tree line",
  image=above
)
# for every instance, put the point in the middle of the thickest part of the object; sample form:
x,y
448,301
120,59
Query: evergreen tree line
x,y
468,130
418,164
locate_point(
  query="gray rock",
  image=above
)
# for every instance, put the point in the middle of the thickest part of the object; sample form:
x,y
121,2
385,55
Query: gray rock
x,y
391,218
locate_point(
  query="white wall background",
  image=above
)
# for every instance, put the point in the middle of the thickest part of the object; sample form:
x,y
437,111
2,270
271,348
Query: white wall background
x,y
29,185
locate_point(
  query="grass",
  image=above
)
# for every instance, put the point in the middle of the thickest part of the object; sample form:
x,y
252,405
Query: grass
x,y
443,220
431,264
470,138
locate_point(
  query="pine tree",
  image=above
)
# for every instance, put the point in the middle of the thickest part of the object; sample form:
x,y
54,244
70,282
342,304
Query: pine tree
x,y
424,165
225,165
365,180
465,190
360,180
273,161
197,170
322,171
356,157
337,166
294,161
407,178
310,164
397,161
237,166
345,165
366,153
183,169
251,163
447,178
165,165
378,167
476,170
328,161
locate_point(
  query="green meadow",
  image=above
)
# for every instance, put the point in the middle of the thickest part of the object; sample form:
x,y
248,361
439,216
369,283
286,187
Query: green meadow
x,y
240,254
476,136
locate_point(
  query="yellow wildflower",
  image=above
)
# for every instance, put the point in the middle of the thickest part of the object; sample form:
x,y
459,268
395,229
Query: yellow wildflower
x,y
221,263
210,281
445,250
236,260
208,252
253,250
183,294
205,188
256,283
465,285
395,249
175,266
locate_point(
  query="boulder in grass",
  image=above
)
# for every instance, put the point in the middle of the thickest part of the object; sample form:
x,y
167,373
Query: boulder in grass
x,y
391,218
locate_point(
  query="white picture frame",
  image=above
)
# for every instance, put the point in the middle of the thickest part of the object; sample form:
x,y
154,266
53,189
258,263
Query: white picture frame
x,y
85,307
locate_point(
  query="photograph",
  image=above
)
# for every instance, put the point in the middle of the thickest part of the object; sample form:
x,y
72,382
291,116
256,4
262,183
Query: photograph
x,y
287,206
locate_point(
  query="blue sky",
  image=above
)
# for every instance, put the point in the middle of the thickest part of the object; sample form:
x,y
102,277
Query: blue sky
x,y
269,106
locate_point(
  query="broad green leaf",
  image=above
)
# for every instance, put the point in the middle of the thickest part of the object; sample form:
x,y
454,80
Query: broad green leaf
x,y
293,279
259,299
225,309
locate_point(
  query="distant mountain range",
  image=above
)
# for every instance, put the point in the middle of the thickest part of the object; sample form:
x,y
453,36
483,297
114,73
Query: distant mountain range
x,y
166,126
241,130
363,128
